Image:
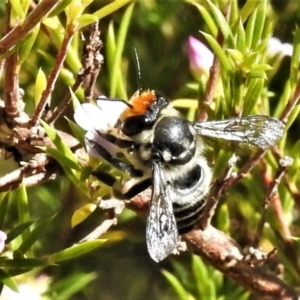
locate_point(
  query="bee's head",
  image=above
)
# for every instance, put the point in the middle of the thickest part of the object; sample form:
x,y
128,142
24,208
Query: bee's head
x,y
174,140
142,113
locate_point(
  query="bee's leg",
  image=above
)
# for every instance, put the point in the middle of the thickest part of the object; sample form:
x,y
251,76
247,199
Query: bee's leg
x,y
121,143
116,162
136,188
110,181
132,190
104,177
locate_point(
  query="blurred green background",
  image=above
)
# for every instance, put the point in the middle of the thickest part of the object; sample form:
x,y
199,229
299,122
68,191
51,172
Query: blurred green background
x,y
122,268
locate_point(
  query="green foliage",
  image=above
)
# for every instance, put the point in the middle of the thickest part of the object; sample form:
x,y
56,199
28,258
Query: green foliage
x,y
38,220
62,152
66,288
74,251
199,281
115,48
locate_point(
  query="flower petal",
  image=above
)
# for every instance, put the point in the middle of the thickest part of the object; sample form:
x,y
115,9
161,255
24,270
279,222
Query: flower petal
x,y
275,46
102,117
200,57
89,116
111,109
3,238
92,151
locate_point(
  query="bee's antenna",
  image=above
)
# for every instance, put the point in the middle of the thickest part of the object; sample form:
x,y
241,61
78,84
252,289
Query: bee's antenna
x,y
138,69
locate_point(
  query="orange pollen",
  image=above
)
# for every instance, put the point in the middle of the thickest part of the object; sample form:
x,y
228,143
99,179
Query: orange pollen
x,y
140,103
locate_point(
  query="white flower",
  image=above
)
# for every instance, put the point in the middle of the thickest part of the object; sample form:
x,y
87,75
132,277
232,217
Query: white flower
x,y
3,238
102,117
97,119
25,293
275,47
31,290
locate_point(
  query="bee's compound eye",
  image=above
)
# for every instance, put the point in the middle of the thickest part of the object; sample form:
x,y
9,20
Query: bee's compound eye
x,y
135,125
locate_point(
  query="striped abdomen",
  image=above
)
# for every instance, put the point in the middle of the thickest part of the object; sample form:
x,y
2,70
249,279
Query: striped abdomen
x,y
189,198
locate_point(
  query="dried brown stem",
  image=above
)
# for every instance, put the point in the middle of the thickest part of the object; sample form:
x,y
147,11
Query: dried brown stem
x,y
87,75
12,97
223,184
92,59
101,229
210,90
140,203
11,85
40,168
19,32
272,197
45,99
115,207
244,170
6,29
14,179
213,78
8,179
215,194
221,252
59,110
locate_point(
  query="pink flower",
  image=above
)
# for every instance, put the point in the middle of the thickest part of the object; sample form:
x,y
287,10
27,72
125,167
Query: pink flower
x,y
3,238
200,57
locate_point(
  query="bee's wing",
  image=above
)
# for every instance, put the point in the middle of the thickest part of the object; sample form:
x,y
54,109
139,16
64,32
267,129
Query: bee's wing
x,y
242,133
161,231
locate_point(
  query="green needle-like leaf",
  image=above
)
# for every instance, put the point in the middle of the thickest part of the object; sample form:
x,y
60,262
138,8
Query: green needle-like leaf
x,y
224,60
115,83
63,153
15,232
26,263
23,209
75,251
180,291
222,24
294,69
6,279
3,208
35,234
110,8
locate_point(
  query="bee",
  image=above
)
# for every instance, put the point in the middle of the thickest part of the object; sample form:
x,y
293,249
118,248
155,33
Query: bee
x,y
165,150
